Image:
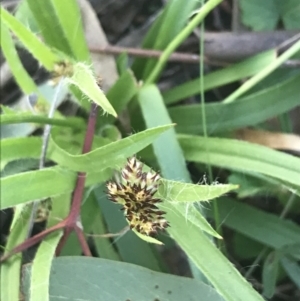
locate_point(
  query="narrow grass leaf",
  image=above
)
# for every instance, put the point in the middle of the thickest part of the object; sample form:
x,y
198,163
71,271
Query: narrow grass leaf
x,y
38,49
155,114
241,156
221,117
264,72
49,25
70,20
21,76
213,264
175,18
179,38
220,77
41,267
258,225
167,25
73,122
270,274
10,270
292,268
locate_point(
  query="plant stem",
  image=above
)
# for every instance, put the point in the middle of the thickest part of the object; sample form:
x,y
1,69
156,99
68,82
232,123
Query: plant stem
x,y
263,73
45,143
203,114
79,188
205,9
70,223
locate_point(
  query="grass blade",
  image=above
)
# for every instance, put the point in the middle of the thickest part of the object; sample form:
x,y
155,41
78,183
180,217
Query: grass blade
x,y
49,24
243,156
220,77
38,49
221,117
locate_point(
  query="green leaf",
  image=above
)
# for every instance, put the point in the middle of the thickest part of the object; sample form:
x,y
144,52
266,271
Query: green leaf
x,y
250,185
214,265
93,221
220,77
119,281
188,214
49,24
164,29
120,94
243,156
25,16
173,191
221,117
57,180
258,225
41,267
109,155
10,270
38,49
270,274
146,238
85,80
180,38
290,13
155,114
21,76
266,16
73,122
71,24
292,269
264,72
260,15
10,149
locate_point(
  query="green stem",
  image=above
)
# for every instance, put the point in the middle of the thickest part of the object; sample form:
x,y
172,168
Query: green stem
x,y
205,9
203,114
263,73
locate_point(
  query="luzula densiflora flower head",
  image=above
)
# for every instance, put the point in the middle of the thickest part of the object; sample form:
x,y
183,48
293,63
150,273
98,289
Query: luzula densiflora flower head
x,y
135,189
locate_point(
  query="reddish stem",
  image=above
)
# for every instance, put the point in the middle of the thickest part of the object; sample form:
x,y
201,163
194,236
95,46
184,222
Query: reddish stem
x,y
69,224
84,246
33,240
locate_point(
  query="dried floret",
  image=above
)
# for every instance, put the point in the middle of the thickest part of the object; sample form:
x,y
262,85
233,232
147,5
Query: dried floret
x,y
135,190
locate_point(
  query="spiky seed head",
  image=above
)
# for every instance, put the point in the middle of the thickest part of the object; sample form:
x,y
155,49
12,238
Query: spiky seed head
x,y
134,189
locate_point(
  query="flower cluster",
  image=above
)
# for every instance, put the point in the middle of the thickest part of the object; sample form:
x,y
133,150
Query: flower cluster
x,y
135,190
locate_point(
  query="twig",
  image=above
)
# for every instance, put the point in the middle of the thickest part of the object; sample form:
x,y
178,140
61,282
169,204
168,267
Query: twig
x,y
180,57
147,53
